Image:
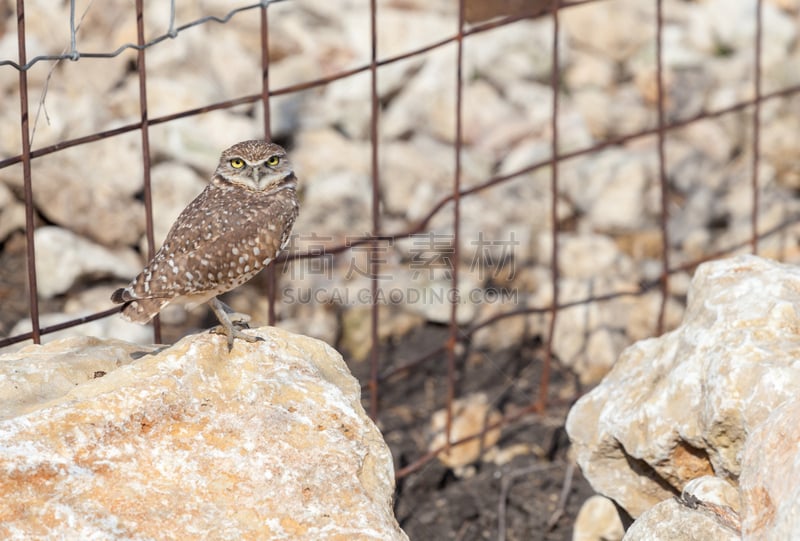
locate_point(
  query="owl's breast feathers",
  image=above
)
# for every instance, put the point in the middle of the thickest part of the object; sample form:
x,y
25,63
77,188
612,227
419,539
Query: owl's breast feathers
x,y
221,240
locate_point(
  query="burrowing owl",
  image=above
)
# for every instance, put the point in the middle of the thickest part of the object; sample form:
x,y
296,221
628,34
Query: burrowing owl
x,y
233,229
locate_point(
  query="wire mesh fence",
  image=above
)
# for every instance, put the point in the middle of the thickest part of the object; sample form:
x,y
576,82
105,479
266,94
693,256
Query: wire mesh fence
x,y
440,234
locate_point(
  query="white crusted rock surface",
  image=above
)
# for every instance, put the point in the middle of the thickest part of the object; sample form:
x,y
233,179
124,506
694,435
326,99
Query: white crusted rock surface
x,y
683,405
770,492
103,439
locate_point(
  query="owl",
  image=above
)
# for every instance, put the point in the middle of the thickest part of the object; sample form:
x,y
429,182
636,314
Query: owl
x,y
237,225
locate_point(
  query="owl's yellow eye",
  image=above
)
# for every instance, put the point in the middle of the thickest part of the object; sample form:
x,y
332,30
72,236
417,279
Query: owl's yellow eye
x,y
237,163
273,160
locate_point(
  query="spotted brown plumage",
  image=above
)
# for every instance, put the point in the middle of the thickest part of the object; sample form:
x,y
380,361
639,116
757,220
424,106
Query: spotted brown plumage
x,y
231,231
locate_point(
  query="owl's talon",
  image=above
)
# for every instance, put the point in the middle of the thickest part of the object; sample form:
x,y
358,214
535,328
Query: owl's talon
x,y
231,329
240,324
233,333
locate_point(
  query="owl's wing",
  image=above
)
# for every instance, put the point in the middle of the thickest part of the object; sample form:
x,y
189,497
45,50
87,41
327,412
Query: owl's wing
x,y
215,251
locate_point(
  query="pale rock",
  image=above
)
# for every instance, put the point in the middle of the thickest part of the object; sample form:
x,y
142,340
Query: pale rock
x,y
10,141
267,441
483,108
428,103
679,285
500,456
233,68
589,70
602,349
780,145
670,520
588,337
713,492
522,50
510,333
58,113
718,25
12,213
677,52
182,90
345,103
681,406
288,112
573,132
523,94
769,491
586,256
614,29
110,327
711,138
597,520
609,188
696,243
414,174
780,75
336,204
642,244
312,321
86,303
708,508
198,140
596,106
404,30
63,258
394,322
702,207
471,414
90,189
684,89
642,313
322,152
787,5
35,375
437,296
335,185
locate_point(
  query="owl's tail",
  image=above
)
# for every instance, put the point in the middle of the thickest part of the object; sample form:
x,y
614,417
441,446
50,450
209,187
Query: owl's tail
x,y
138,310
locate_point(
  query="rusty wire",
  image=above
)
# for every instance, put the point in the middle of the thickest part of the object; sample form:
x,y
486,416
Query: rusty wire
x,y
144,129
33,291
756,125
662,168
544,382
271,278
74,54
375,206
456,332
453,335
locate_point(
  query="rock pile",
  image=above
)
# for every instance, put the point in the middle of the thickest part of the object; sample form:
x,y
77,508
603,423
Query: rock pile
x,y
608,201
694,433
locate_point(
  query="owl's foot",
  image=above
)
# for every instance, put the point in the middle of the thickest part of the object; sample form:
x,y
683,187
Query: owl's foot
x,y
231,329
233,332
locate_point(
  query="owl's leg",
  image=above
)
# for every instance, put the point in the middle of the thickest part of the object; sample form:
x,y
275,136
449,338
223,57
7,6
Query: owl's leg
x,y
227,327
237,318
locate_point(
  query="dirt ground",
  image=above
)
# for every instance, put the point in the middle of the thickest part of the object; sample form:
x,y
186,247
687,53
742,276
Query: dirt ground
x,y
534,496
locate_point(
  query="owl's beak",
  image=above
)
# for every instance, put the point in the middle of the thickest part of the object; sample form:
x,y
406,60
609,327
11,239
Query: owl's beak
x,y
263,176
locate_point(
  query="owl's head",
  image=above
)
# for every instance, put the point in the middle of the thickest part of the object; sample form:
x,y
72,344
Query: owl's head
x,y
258,166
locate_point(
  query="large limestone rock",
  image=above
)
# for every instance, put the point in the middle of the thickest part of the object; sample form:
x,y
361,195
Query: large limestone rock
x,y
770,490
109,440
715,397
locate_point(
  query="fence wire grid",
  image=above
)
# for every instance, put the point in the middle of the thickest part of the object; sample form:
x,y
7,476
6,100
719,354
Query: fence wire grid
x,y
458,333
